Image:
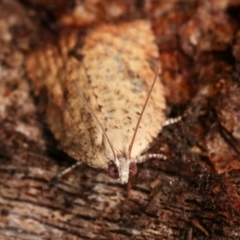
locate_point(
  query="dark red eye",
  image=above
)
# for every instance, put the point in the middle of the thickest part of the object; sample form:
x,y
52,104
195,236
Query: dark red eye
x,y
113,171
132,169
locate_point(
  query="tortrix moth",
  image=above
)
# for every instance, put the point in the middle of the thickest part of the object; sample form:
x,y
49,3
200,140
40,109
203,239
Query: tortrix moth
x,y
94,102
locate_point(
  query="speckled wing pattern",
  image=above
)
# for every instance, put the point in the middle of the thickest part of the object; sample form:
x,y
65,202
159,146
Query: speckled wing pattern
x,y
115,73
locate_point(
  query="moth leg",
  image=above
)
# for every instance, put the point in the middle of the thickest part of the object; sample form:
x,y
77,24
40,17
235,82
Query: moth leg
x,y
171,121
64,172
147,156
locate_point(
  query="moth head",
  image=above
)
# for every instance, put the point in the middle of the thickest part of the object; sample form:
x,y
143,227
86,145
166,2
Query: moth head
x,y
122,169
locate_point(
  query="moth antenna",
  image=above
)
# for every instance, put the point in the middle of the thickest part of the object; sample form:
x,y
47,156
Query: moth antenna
x,y
95,117
140,117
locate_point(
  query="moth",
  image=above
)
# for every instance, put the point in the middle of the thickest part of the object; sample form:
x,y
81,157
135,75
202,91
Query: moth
x,y
105,103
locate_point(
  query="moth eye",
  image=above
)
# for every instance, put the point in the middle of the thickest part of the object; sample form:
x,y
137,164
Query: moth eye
x,y
113,171
132,169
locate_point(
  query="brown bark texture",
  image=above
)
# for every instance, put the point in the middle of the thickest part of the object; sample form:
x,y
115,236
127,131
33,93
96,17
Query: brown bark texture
x,y
194,194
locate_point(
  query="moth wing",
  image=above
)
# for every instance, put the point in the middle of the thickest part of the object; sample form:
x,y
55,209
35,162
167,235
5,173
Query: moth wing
x,y
53,73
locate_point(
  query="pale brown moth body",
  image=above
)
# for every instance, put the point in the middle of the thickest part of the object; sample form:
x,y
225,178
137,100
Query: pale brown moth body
x,y
94,103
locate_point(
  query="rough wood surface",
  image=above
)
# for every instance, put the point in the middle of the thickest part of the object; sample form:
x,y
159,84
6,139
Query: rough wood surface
x,y
195,194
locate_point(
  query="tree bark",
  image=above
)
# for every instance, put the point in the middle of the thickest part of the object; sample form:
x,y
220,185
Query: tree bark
x,y
195,194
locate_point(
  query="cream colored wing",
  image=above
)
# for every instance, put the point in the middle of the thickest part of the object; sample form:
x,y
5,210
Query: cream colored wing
x,y
121,63
115,75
